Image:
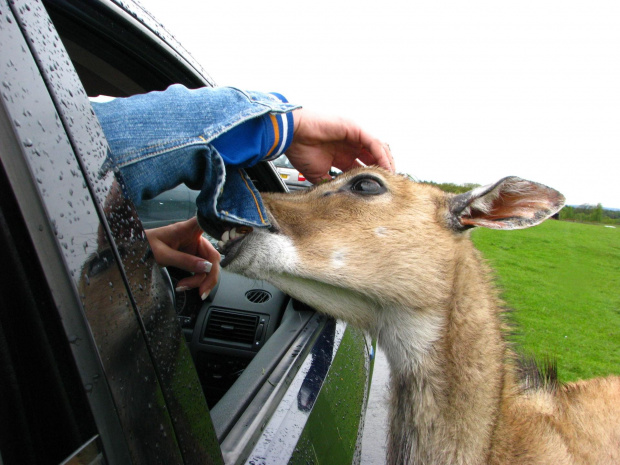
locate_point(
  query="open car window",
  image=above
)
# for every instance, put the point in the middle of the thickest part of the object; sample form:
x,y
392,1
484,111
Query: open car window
x,y
245,329
116,55
158,377
246,374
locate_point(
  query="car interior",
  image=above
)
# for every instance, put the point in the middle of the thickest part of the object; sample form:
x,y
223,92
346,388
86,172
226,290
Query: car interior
x,y
241,333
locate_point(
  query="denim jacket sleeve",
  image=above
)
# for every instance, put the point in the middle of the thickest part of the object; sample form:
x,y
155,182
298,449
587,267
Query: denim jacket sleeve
x,y
162,139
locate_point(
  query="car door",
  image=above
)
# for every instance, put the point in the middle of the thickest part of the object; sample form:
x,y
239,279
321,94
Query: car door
x,y
303,393
142,390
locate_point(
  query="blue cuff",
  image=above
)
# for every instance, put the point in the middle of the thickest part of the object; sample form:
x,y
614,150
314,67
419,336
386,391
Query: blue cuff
x,y
263,138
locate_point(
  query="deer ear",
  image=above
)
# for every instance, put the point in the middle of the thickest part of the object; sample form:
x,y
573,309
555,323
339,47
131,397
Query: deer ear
x,y
510,203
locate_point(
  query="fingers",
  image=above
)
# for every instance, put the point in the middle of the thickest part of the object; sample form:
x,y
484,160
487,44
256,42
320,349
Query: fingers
x,y
190,282
209,282
357,143
182,245
320,142
206,271
376,152
318,179
206,250
166,256
204,282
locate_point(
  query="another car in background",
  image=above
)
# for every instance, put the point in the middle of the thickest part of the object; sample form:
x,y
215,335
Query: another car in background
x,y
291,177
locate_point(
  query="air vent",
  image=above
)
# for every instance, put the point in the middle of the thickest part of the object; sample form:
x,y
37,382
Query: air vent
x,y
231,326
258,296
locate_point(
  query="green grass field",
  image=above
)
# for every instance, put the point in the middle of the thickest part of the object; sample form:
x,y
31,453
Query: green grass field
x,y
563,281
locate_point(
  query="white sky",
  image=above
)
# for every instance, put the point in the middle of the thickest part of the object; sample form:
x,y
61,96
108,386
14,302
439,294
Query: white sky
x,y
462,91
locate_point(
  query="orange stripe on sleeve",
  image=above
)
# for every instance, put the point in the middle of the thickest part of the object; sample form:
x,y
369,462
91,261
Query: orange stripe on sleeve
x,y
276,131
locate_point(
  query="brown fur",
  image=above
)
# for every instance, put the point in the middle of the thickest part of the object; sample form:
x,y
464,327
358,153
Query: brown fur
x,y
400,265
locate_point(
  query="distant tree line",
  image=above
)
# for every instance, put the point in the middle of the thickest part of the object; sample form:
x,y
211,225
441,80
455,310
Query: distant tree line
x,y
590,214
451,187
583,213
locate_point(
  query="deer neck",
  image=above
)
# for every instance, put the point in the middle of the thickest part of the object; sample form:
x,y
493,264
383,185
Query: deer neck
x,y
447,372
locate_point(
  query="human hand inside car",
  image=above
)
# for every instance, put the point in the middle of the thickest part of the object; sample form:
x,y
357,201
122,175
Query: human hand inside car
x,y
320,142
182,245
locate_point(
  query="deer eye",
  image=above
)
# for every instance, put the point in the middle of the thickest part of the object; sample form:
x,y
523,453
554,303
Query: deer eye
x,y
367,186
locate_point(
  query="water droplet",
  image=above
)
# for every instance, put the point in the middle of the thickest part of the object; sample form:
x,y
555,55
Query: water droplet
x,y
28,143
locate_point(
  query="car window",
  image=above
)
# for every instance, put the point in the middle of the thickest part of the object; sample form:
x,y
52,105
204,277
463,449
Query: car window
x,y
46,405
148,370
111,55
226,333
165,357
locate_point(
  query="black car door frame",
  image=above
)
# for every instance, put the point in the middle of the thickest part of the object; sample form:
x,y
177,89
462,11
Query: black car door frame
x,y
147,405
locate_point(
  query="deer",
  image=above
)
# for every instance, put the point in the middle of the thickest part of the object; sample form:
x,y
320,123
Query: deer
x,y
394,258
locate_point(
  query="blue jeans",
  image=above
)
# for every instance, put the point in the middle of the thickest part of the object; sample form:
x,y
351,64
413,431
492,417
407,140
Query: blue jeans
x,y
162,139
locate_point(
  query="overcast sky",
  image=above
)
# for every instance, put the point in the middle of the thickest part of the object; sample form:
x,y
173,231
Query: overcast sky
x,y
462,91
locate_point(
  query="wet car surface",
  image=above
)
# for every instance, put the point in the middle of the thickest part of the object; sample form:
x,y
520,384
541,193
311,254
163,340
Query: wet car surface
x,y
105,362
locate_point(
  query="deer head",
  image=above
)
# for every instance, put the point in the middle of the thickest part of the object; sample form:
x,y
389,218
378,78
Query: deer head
x,y
370,240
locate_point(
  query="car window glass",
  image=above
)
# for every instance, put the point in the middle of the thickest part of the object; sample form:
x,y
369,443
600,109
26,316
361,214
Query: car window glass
x,y
97,57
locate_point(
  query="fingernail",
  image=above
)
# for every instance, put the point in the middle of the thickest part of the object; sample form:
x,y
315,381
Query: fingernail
x,y
204,296
206,266
182,289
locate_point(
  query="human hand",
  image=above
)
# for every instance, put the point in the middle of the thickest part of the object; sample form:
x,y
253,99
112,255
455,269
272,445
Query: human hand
x,y
182,245
321,142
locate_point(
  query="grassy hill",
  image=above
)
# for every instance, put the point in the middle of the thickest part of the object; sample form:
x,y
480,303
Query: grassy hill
x,y
563,281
